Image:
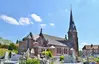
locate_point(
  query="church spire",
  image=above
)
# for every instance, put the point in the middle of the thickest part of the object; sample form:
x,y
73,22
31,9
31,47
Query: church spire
x,y
41,34
72,26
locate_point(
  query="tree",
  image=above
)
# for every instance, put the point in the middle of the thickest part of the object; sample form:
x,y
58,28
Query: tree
x,y
4,46
0,44
80,53
10,55
17,42
12,46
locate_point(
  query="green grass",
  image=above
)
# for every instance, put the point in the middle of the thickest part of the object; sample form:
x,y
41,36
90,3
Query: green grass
x,y
2,51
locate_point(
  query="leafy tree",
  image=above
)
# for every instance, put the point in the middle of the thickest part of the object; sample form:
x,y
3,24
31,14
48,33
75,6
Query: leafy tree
x,y
10,55
80,53
4,46
17,42
0,44
12,46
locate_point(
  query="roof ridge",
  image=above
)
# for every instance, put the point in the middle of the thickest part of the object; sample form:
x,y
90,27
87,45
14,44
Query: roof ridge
x,y
54,36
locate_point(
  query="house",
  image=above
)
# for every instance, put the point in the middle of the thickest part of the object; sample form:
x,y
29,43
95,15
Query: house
x,y
58,45
91,50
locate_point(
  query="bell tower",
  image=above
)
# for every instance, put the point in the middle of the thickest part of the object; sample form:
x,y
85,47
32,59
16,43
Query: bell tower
x,y
72,34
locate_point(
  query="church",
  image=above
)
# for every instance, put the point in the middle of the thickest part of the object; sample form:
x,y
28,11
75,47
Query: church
x,y
58,46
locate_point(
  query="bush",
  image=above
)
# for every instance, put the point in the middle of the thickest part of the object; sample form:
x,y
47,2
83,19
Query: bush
x,y
97,59
12,46
47,53
33,61
4,46
61,58
50,54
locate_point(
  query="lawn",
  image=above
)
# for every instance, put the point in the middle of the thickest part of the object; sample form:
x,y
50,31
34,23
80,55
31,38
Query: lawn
x,y
2,51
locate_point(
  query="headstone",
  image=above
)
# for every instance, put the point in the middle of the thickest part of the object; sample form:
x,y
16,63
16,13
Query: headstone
x,y
28,53
32,51
15,57
6,56
38,56
73,55
67,59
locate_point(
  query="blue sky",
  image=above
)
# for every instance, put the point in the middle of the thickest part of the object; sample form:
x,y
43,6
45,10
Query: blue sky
x,y
19,17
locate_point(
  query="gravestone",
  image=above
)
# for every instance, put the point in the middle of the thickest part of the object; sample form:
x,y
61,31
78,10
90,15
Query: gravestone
x,y
73,55
67,58
15,57
70,58
6,56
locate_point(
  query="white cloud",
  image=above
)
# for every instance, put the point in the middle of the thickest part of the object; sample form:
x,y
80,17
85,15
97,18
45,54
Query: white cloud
x,y
25,21
51,24
9,20
85,43
66,10
36,17
43,25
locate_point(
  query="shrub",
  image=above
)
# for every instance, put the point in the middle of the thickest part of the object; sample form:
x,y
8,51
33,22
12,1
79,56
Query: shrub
x,y
12,46
50,54
4,46
32,61
51,62
48,50
61,58
97,59
47,53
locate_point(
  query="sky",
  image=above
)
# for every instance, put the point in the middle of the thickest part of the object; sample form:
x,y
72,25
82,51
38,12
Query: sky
x,y
19,17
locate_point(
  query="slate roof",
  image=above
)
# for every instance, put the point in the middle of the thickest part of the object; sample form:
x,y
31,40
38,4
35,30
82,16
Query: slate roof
x,y
89,47
53,40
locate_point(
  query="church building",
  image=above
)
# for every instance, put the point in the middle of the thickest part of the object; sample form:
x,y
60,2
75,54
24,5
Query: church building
x,y
58,45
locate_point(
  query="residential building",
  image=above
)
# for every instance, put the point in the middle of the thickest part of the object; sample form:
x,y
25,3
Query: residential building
x,y
90,50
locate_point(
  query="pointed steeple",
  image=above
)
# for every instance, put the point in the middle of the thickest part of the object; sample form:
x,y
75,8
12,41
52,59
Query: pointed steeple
x,y
72,26
31,35
41,33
